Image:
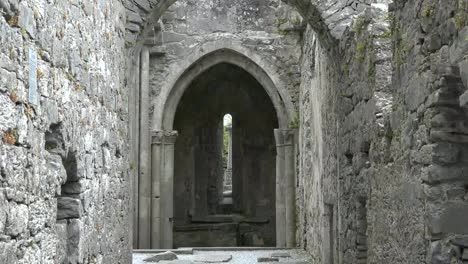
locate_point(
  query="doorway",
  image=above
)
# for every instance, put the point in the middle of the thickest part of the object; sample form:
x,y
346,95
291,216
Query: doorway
x,y
224,173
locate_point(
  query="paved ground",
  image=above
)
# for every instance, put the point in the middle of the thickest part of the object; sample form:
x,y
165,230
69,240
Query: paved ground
x,y
195,256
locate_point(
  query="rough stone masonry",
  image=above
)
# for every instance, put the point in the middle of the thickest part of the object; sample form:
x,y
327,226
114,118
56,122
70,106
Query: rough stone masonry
x,y
369,99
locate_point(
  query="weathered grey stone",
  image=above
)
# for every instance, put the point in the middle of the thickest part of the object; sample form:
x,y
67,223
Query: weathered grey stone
x,y
134,17
179,261
75,241
143,4
162,256
3,212
280,255
72,42
26,19
73,188
461,241
291,262
436,174
84,81
61,230
17,219
7,253
68,207
267,259
464,99
449,221
212,258
465,254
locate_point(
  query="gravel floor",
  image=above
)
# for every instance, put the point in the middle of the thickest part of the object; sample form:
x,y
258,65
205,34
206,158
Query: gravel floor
x,y
238,257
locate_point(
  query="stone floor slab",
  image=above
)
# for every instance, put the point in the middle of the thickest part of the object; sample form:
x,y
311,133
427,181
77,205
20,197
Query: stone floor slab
x,y
162,256
237,256
209,258
280,255
177,261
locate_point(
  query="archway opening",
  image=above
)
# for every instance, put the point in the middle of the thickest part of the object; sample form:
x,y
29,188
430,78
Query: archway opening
x,y
205,212
227,201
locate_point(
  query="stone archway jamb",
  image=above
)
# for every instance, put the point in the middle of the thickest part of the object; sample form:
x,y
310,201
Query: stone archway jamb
x,y
162,186
286,140
144,182
157,167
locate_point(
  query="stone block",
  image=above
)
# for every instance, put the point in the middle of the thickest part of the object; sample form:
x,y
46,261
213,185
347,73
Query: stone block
x,y
292,262
61,245
26,19
460,241
280,255
464,72
143,4
162,256
133,27
441,98
449,136
451,219
442,153
75,241
464,99
267,259
3,212
212,258
17,219
134,17
73,188
8,253
446,153
422,156
459,48
465,254
39,216
171,37
177,261
436,253
68,207
435,174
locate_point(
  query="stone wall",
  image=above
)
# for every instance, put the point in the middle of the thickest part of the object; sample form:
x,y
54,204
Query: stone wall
x,y
430,59
345,100
267,32
385,156
64,180
381,169
317,162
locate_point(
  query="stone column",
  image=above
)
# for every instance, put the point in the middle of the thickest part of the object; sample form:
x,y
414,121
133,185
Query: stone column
x,y
285,188
133,70
144,183
280,191
162,189
157,167
289,172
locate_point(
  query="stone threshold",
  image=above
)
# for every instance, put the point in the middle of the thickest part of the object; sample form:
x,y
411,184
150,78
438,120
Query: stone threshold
x,y
189,251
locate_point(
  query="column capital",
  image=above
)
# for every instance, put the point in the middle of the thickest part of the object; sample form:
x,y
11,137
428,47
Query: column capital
x,y
285,136
168,137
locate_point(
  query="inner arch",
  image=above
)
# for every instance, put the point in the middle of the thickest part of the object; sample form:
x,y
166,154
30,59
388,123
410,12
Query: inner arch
x,y
279,97
204,214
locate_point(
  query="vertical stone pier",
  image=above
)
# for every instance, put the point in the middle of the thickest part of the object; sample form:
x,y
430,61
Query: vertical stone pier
x,y
144,193
162,186
285,188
